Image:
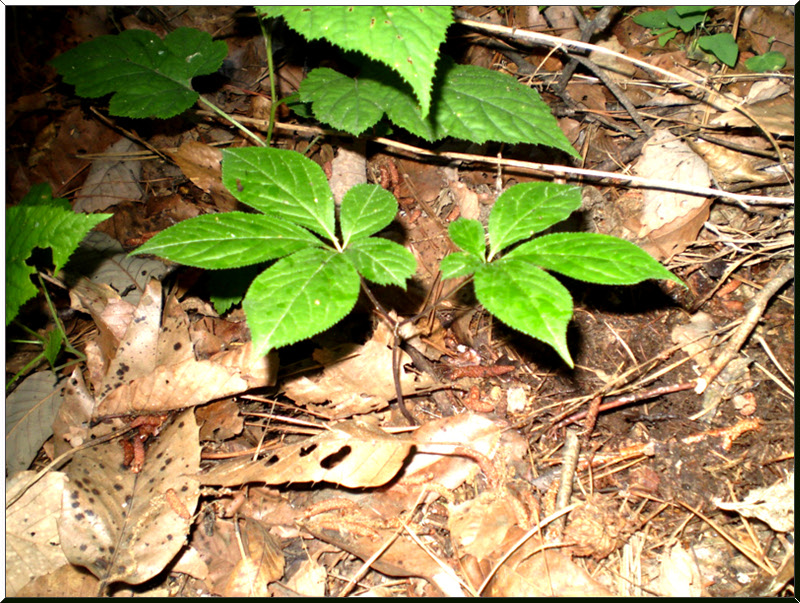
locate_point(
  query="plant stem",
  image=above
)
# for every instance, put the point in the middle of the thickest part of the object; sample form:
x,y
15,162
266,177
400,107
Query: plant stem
x,y
232,120
273,110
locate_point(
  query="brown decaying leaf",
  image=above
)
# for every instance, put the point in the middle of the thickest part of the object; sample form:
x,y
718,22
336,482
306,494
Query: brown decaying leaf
x,y
728,165
360,384
354,454
119,524
530,572
670,221
219,420
262,563
111,180
202,164
67,581
32,539
154,368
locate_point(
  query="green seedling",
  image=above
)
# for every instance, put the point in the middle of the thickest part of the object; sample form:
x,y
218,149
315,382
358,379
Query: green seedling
x,y
666,24
510,276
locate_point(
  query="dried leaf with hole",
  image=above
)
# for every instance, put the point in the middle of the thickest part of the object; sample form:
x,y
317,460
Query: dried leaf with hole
x,y
119,524
354,454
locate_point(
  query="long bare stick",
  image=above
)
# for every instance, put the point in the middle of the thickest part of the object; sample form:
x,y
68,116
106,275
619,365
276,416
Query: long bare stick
x,y
557,170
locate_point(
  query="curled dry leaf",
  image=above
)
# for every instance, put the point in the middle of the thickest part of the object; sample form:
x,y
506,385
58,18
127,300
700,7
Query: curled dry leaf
x,y
154,367
354,454
202,164
359,384
111,180
728,165
119,524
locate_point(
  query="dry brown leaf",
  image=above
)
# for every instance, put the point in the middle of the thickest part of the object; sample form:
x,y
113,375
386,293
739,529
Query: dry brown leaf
x,y
479,526
354,454
775,115
202,164
32,539
680,576
119,524
68,581
262,563
670,221
309,580
154,368
220,420
111,180
596,527
727,164
360,384
348,169
530,572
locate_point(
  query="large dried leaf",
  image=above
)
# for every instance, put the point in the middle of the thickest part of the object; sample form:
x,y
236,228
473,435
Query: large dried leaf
x,y
32,540
155,369
202,164
361,383
262,563
670,221
354,454
111,180
126,526
30,410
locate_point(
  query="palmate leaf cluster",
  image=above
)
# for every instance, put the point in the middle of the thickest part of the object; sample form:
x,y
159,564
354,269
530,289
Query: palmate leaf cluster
x,y
315,278
516,287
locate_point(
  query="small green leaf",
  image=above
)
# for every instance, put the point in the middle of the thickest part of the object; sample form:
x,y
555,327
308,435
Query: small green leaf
x,y
228,240
149,77
459,264
527,299
40,221
769,61
591,257
382,261
299,296
366,209
227,287
687,17
52,346
282,183
528,208
723,46
654,19
406,38
665,35
469,236
348,104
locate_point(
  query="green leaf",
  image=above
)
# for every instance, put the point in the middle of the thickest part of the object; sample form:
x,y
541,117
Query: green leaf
x,y
348,104
723,46
406,38
149,77
665,35
591,257
281,183
40,221
52,346
769,61
300,296
366,209
528,208
471,103
687,17
469,236
382,261
527,299
459,264
228,240
227,287
654,19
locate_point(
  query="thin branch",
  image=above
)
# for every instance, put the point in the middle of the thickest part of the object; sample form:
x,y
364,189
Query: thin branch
x,y
543,169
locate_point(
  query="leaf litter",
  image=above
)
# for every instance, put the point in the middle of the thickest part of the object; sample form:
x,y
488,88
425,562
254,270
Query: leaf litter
x,y
452,499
